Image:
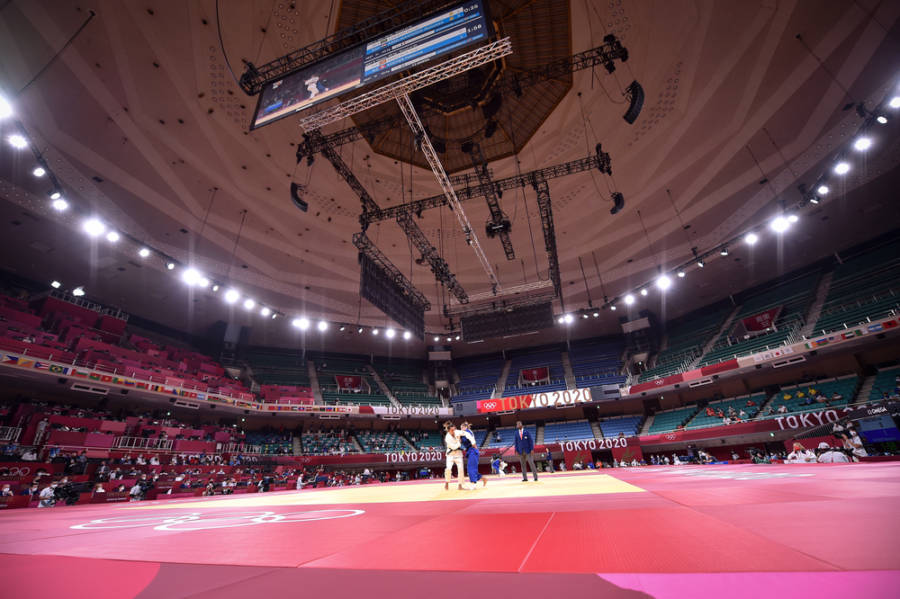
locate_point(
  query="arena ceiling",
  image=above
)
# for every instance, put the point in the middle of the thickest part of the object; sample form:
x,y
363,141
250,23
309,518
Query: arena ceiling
x,y
143,123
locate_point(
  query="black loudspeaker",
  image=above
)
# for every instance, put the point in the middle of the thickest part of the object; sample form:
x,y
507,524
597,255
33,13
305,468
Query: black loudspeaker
x,y
635,94
297,197
172,400
62,381
124,391
212,406
618,202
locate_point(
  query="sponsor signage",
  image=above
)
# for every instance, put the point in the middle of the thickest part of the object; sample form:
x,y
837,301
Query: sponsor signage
x,y
549,399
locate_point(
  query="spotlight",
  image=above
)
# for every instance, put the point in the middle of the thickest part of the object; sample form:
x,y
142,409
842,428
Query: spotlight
x,y
249,304
204,282
723,251
170,266
390,333
215,288
842,168
232,296
436,338
644,292
751,238
55,195
822,190
613,307
681,274
813,200
144,253
882,120
780,224
78,291
629,299
793,218
94,227
274,315
6,109
265,311
596,314
862,144
300,323
663,282
56,284
894,102
113,237
449,339
568,318
407,335
39,171
375,331
191,276
322,326
17,141
342,328
457,337
700,263
585,316
60,205
359,330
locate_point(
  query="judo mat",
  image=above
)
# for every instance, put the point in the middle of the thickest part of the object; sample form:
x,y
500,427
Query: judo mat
x,y
828,530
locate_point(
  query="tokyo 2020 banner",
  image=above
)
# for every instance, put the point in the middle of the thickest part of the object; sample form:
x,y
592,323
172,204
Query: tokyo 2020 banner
x,y
550,399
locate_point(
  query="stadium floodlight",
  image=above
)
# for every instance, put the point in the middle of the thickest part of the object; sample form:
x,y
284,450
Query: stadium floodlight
x,y
55,195
644,292
249,304
203,282
723,251
59,204
78,291
94,227
700,263
264,311
56,284
792,218
39,171
751,238
322,326
894,102
663,282
681,274
779,224
170,266
449,339
436,338
375,331
407,335
569,319
862,144
561,319
596,314
390,333
342,328
457,337
629,299
113,236
17,141
359,330
232,296
191,276
822,190
613,307
274,315
300,323
842,168
6,109
882,120
144,252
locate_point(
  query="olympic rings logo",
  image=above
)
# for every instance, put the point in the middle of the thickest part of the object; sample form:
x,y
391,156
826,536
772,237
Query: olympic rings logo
x,y
490,405
197,521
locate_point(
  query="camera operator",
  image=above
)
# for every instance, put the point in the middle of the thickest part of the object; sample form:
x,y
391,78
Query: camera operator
x,y
140,488
66,492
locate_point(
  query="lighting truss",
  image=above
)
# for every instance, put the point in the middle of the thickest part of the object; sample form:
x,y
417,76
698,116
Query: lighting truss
x,y
402,87
498,219
366,247
511,82
600,161
543,200
406,106
255,78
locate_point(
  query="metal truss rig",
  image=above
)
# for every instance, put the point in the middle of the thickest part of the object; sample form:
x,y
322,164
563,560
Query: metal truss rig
x,y
543,200
601,161
411,83
604,55
499,220
406,106
365,246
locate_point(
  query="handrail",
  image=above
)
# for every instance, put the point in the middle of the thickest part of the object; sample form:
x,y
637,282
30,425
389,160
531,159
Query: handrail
x,y
10,433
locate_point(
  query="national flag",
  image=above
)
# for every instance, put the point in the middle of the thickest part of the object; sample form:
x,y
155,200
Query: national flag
x,y
874,328
140,385
26,363
106,378
56,369
94,376
849,334
128,382
79,373
41,366
889,324
8,359
820,342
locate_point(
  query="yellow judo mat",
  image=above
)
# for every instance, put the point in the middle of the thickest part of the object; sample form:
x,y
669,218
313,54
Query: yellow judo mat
x,y
510,487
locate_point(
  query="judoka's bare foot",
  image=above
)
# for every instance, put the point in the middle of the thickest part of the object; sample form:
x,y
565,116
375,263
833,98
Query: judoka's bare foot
x,y
459,487
483,482
446,486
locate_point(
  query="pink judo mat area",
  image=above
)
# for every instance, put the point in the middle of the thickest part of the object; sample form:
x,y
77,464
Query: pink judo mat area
x,y
797,531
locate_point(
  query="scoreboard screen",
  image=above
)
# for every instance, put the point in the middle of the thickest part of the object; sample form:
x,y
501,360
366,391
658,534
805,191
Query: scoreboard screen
x,y
449,30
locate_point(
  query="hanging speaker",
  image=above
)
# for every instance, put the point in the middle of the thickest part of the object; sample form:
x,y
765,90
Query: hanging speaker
x,y
635,95
297,197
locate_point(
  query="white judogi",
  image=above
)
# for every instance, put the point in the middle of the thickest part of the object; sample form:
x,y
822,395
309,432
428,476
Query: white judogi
x,y
454,456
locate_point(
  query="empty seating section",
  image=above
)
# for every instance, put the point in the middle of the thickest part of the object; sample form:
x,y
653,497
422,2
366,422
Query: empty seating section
x,y
477,377
885,382
671,419
864,287
326,442
556,432
404,379
543,360
703,419
687,336
794,297
381,441
277,366
503,437
596,362
272,442
428,439
346,379
798,398
626,424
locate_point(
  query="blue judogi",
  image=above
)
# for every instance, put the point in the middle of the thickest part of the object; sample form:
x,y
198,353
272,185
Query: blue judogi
x,y
472,456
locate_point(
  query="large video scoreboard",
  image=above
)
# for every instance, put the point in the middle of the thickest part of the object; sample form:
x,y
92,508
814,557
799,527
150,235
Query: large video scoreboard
x,y
449,30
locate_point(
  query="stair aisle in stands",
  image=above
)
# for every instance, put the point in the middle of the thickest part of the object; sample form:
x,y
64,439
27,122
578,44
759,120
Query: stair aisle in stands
x,y
567,369
815,310
500,386
314,382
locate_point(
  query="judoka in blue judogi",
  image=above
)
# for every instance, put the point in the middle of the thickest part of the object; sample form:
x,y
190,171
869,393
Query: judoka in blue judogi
x,y
470,447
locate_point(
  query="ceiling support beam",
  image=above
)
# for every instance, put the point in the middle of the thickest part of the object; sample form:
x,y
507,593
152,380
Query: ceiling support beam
x,y
499,223
543,200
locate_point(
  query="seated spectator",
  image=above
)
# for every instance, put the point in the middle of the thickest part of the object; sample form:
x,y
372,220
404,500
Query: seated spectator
x,y
800,455
854,444
750,403
782,409
29,455
6,491
47,496
742,414
710,412
829,455
30,491
98,488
